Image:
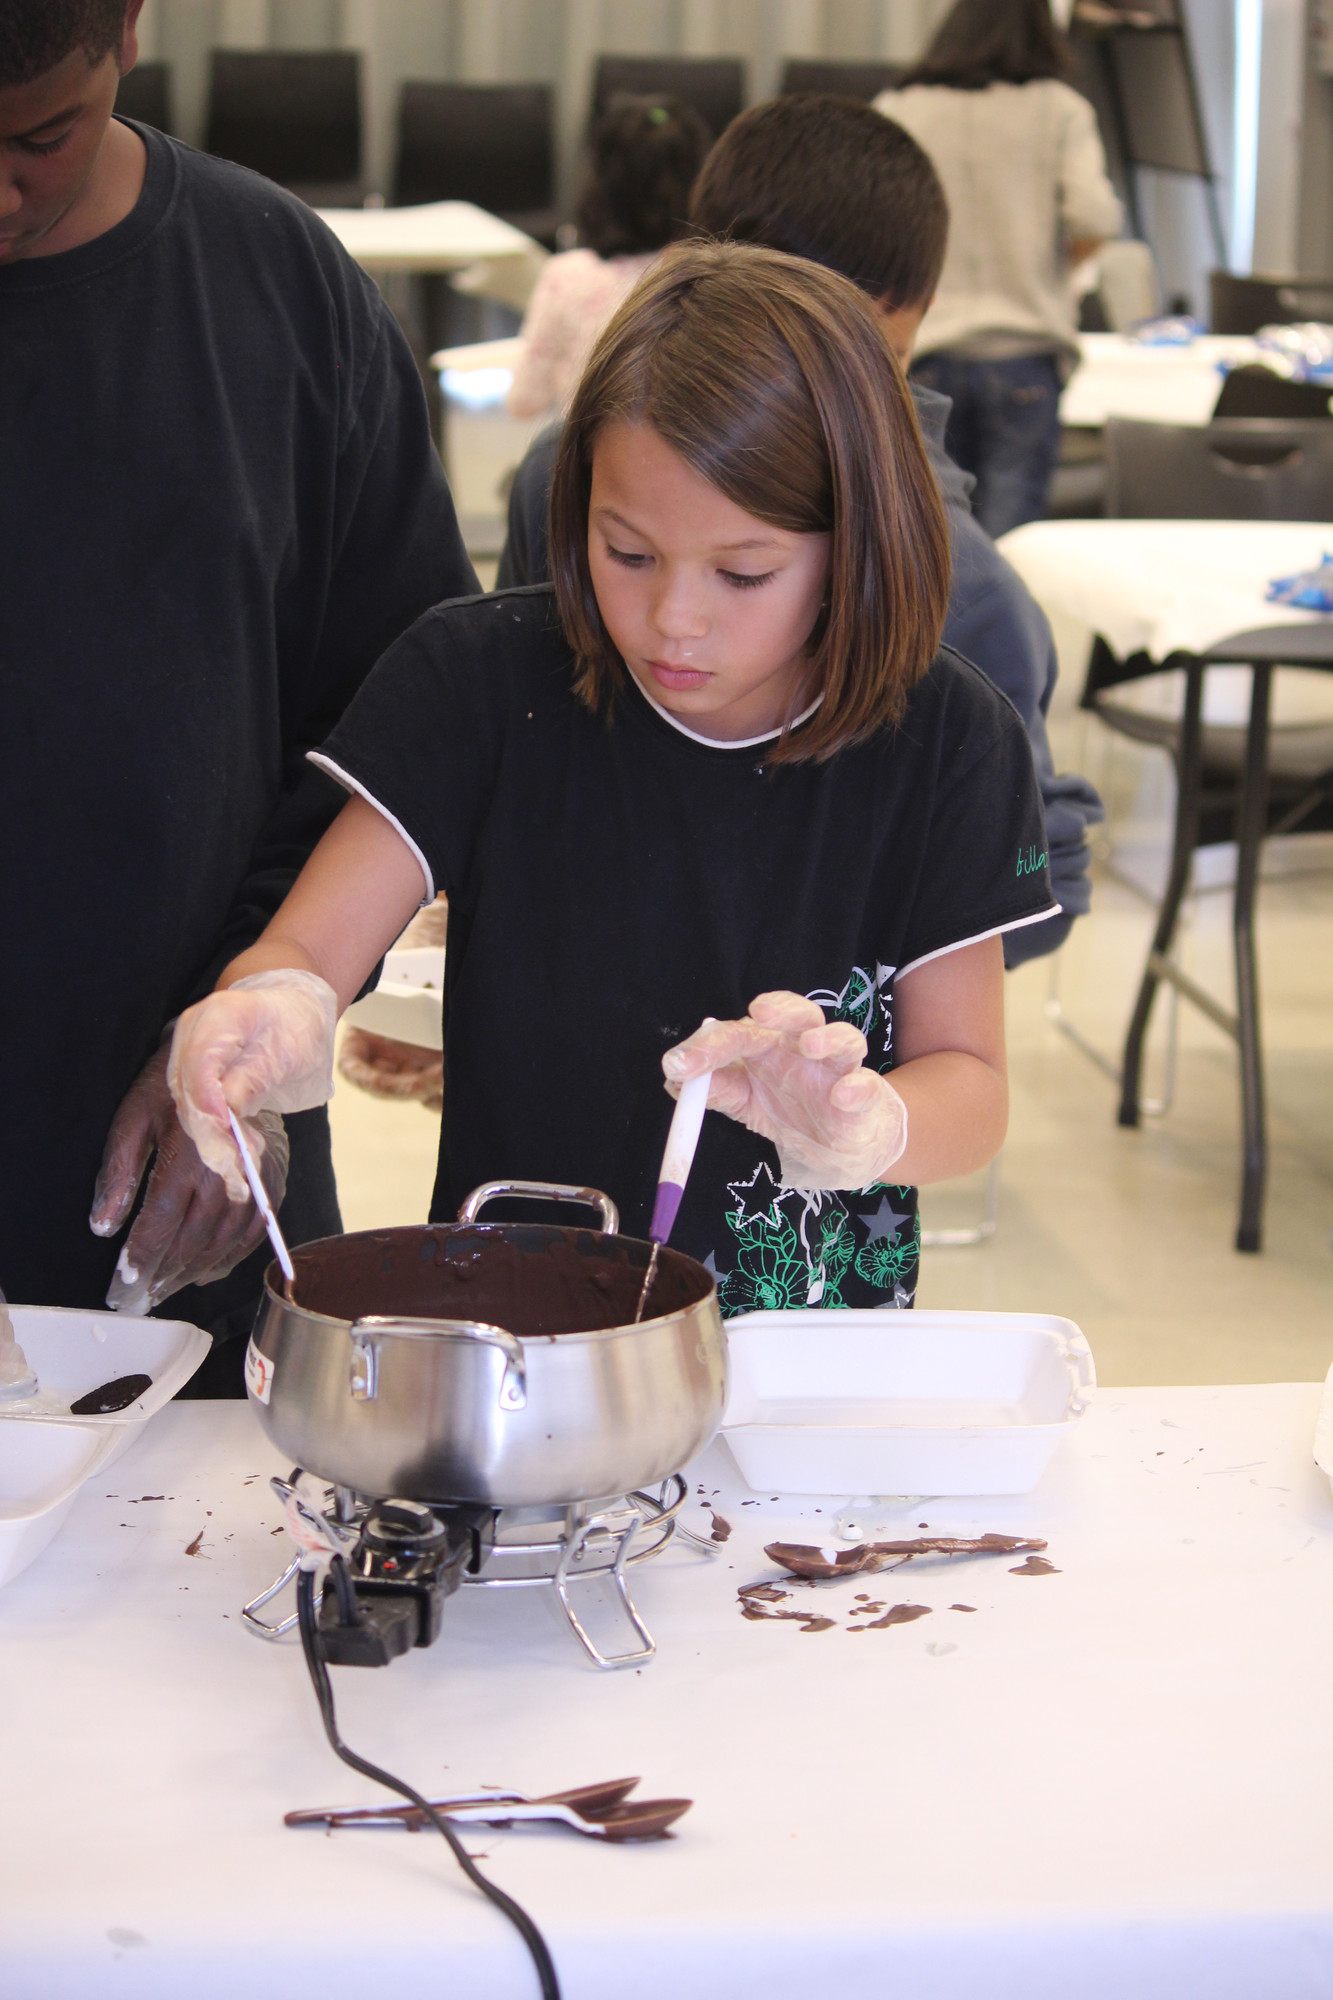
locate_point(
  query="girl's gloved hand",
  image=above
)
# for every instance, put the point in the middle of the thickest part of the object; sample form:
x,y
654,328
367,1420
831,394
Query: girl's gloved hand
x,y
265,1044
799,1080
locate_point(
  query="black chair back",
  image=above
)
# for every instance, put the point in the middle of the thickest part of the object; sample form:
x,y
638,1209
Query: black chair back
x,y
1252,469
295,116
488,143
1255,391
1243,305
144,92
714,86
841,79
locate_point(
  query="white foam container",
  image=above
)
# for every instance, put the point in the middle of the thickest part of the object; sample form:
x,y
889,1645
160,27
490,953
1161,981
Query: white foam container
x,y
1323,1429
408,1003
921,1403
46,1452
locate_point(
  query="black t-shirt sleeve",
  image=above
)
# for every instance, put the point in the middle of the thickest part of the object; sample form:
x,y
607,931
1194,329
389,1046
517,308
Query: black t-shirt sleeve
x,y
983,867
424,736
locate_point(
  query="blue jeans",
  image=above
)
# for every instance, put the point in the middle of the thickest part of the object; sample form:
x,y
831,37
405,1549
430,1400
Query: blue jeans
x,y
1004,428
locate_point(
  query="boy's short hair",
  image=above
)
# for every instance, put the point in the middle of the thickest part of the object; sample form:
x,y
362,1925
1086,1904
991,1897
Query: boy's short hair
x,y
830,179
35,35
774,381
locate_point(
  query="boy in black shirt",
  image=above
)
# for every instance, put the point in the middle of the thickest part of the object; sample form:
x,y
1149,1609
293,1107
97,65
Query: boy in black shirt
x,y
219,502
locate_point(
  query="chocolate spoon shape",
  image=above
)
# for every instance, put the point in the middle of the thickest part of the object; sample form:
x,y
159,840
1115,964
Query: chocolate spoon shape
x,y
603,1812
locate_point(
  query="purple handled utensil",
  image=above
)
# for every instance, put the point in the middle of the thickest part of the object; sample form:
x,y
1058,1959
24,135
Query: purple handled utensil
x,y
682,1141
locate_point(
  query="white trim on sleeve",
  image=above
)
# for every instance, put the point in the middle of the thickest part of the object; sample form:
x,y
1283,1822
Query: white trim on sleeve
x,y
1018,924
351,784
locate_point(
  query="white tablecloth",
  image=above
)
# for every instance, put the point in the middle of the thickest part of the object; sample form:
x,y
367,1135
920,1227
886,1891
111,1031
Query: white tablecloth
x,y
1115,1780
1118,377
1166,586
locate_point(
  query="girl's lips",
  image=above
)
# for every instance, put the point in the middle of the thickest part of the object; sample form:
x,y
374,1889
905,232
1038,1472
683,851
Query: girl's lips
x,y
678,679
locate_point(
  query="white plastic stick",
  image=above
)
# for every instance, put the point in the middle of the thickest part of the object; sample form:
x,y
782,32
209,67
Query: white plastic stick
x,y
262,1202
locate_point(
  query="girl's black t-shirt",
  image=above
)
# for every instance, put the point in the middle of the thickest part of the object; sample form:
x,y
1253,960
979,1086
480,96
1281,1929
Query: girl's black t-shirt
x,y
612,881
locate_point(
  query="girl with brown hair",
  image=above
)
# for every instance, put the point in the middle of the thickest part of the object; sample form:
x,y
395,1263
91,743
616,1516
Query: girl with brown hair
x,y
719,771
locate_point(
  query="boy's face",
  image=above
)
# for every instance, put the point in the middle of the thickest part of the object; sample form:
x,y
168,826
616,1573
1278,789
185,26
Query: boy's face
x,y
52,147
709,608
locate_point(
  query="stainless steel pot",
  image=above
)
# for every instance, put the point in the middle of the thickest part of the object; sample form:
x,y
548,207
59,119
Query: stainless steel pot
x,y
491,1362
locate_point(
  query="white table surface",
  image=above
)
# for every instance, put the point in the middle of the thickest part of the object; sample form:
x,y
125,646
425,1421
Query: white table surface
x,y
1164,586
429,236
1118,377
1115,1780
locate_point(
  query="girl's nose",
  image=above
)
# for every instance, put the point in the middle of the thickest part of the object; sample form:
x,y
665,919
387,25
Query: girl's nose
x,y
678,613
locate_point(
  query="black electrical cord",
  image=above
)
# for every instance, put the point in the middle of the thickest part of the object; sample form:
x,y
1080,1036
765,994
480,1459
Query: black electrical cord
x,y
319,1674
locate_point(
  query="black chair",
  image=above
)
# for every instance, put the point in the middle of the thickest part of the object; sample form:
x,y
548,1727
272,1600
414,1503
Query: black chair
x,y
488,143
713,85
144,93
842,79
1231,782
295,117
1255,391
1243,305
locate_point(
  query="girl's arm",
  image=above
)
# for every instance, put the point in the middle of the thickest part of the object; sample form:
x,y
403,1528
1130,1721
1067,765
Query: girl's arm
x,y
354,896
264,1040
949,1040
803,1082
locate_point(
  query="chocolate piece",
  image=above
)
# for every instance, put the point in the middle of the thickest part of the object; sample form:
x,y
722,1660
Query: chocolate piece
x,y
800,1559
721,1526
962,1607
1035,1566
898,1614
192,1548
111,1397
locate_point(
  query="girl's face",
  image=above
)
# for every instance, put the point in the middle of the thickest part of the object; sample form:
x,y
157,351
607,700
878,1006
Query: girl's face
x,y
709,608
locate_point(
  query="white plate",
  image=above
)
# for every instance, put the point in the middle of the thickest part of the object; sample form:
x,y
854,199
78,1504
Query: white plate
x,y
1323,1429
46,1452
922,1403
408,1003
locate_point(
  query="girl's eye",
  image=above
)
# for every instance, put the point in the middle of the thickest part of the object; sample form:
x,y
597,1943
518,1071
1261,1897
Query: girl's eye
x,y
47,145
624,556
740,582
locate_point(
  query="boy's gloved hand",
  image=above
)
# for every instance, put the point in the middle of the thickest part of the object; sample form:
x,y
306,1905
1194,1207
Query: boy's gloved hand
x,y
187,1232
265,1044
799,1080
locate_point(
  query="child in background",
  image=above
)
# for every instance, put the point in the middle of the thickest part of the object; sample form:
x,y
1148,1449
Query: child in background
x,y
718,773
644,155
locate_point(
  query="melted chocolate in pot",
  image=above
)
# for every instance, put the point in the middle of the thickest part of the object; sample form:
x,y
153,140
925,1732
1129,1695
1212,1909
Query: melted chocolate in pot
x,y
530,1278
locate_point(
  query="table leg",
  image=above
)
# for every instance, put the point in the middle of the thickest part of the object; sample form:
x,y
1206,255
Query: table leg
x,y
1251,820
1189,782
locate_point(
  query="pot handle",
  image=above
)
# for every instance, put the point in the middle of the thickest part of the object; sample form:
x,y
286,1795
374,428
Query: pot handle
x,y
363,1380
542,1191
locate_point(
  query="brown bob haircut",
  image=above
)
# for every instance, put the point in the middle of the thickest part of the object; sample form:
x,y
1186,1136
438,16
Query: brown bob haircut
x,y
772,379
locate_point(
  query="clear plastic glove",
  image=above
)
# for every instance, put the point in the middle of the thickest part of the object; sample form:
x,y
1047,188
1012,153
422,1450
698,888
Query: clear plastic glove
x,y
265,1044
187,1232
799,1080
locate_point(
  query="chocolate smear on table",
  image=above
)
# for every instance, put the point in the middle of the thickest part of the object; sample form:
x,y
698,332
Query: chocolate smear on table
x,y
897,1614
766,1593
721,1526
820,1565
755,1597
1035,1566
192,1548
111,1397
962,1607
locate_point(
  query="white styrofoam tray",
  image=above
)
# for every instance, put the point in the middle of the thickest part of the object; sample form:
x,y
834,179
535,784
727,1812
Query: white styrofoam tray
x,y
923,1403
46,1452
408,1003
42,1467
1323,1429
